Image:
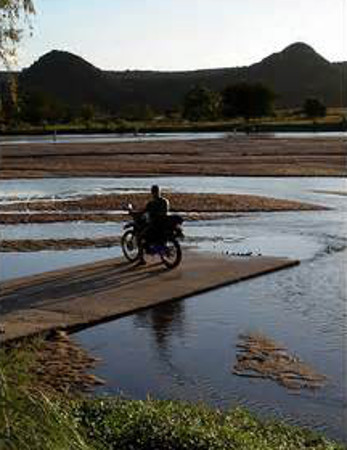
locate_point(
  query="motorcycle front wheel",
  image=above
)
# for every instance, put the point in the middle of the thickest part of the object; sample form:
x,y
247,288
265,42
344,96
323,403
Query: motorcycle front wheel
x,y
172,254
130,246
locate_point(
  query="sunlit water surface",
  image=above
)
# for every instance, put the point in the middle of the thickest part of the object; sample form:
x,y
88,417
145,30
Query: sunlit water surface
x,y
143,137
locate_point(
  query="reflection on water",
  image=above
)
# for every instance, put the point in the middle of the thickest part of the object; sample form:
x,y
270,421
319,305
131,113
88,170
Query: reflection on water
x,y
186,350
162,323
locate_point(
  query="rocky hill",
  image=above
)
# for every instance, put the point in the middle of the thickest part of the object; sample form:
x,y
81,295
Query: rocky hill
x,y
294,74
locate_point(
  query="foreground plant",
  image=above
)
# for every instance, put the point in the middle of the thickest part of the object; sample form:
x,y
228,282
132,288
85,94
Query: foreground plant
x,y
35,416
123,424
30,420
29,417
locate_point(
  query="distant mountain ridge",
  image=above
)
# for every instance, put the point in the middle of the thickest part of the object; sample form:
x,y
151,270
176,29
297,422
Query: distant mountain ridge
x,y
296,73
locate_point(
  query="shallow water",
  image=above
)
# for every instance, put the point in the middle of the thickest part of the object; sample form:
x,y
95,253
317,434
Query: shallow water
x,y
17,264
186,350
60,230
108,138
131,137
295,188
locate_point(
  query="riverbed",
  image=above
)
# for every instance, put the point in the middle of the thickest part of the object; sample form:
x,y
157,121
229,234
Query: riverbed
x,y
186,350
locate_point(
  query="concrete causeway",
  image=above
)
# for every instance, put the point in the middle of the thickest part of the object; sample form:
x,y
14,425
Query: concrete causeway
x,y
82,296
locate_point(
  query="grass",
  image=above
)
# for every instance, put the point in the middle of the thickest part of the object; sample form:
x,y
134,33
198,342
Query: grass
x,y
123,424
36,419
30,418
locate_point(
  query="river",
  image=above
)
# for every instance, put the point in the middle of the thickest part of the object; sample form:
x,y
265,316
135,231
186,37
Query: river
x,y
186,350
143,137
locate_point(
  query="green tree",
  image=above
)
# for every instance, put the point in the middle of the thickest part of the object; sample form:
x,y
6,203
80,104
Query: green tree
x,y
87,113
38,107
247,100
9,110
12,13
314,108
201,104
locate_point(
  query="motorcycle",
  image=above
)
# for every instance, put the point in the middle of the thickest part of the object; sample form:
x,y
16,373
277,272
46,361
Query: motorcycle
x,y
166,245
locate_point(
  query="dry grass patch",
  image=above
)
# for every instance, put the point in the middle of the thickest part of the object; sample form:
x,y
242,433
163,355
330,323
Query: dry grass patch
x,y
261,357
61,365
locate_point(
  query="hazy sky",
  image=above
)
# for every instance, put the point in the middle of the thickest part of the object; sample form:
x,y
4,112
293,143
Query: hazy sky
x,y
184,34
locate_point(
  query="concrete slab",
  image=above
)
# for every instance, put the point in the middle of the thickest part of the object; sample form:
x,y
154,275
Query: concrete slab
x,y
81,296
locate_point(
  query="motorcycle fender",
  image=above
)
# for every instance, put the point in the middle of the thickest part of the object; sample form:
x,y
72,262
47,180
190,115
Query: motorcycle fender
x,y
129,225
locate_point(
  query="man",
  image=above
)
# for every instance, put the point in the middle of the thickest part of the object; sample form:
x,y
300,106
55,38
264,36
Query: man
x,y
158,207
156,211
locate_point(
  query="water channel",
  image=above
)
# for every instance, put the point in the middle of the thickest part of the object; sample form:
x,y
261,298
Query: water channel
x,y
186,350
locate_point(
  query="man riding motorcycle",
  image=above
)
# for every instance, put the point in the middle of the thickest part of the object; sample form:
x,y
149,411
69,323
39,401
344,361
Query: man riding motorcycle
x,y
155,213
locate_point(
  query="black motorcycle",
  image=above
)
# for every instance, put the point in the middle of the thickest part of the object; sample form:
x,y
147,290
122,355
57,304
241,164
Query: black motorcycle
x,y
165,244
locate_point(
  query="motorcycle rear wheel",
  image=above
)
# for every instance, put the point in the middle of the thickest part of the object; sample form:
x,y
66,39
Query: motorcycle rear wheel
x,y
130,246
172,255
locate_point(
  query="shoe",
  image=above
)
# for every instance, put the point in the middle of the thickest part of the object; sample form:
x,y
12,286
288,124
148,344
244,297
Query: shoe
x,y
142,262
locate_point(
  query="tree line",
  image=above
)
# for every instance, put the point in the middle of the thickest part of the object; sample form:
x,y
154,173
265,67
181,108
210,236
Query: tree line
x,y
38,108
238,100
241,100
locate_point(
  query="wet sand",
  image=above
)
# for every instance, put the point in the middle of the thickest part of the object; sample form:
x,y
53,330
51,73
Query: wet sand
x,y
37,245
233,156
101,208
340,193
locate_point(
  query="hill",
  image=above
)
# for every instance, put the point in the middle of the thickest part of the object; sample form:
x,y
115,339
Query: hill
x,y
68,78
294,74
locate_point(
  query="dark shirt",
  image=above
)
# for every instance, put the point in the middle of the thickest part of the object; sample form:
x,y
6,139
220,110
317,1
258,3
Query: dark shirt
x,y
157,208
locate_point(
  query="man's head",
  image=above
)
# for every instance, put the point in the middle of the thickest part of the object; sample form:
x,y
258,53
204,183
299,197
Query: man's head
x,y
155,191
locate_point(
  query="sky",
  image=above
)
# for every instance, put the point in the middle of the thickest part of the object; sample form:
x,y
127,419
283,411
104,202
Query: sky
x,y
184,34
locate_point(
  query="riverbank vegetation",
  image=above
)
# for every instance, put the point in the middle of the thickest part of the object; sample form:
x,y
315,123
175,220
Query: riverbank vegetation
x,y
243,106
36,415
280,121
